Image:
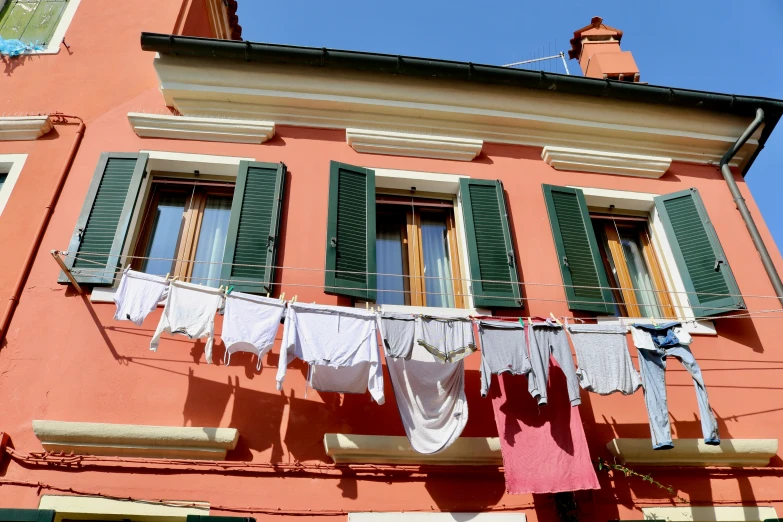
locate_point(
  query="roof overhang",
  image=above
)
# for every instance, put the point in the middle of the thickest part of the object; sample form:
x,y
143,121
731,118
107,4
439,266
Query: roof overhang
x,y
340,89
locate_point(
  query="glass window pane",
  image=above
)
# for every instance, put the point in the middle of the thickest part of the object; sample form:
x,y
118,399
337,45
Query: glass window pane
x,y
437,264
2,179
212,241
168,218
389,260
640,273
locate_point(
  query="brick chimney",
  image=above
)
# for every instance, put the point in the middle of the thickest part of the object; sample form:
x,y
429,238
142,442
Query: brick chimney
x,y
597,47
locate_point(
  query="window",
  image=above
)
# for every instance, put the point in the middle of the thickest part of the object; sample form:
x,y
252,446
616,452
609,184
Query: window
x,y
31,21
635,275
218,229
414,238
624,267
187,222
416,241
10,169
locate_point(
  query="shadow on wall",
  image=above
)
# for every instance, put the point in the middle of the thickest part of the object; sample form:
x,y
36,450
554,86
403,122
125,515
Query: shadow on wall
x,y
10,63
257,415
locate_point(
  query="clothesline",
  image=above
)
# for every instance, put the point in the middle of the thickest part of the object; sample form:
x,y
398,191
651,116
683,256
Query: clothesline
x,y
229,281
81,256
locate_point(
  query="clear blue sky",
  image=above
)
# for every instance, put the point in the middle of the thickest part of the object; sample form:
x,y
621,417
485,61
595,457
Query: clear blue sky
x,y
714,45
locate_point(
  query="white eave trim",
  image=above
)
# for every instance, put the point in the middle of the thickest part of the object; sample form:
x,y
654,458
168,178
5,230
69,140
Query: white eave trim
x,y
413,145
694,452
201,129
602,162
131,440
384,449
320,98
24,128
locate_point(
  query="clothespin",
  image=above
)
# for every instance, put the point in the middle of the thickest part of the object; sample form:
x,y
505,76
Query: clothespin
x,y
267,295
555,318
221,288
167,276
282,296
653,321
229,289
366,305
293,300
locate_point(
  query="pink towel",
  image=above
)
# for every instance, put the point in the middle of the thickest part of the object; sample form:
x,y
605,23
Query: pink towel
x,y
544,448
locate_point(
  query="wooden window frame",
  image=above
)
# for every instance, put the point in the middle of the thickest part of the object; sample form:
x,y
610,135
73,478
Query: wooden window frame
x,y
196,193
413,258
630,306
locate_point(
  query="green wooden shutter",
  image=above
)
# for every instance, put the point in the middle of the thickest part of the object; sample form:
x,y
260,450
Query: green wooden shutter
x,y
584,277
698,253
493,266
254,226
14,19
31,21
350,232
103,224
26,515
44,22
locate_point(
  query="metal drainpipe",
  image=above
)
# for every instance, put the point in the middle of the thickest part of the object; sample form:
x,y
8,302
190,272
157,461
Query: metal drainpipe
x,y
13,300
766,260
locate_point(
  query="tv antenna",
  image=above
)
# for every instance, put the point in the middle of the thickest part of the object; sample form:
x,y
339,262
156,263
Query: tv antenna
x,y
560,55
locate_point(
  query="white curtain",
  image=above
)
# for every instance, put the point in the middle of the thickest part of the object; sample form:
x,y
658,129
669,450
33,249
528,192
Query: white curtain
x,y
640,276
437,265
212,242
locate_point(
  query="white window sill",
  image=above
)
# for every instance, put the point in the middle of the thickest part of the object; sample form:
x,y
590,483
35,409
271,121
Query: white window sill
x,y
103,295
430,310
692,327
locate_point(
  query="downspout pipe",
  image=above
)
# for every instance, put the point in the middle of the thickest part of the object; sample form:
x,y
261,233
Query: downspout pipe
x,y
766,260
16,294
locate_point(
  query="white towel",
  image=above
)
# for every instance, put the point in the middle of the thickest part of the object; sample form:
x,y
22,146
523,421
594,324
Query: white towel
x,y
189,310
339,343
137,295
431,399
250,324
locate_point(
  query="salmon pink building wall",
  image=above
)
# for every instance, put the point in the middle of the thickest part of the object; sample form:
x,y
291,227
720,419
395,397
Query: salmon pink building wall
x,y
65,358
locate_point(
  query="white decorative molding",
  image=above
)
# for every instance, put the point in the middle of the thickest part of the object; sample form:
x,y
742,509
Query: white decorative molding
x,y
602,162
321,98
384,449
412,516
710,513
131,440
202,129
413,145
75,507
694,452
24,128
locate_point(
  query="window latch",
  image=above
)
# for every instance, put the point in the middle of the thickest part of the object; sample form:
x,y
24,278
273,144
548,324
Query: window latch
x,y
333,242
565,262
510,258
81,231
718,262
